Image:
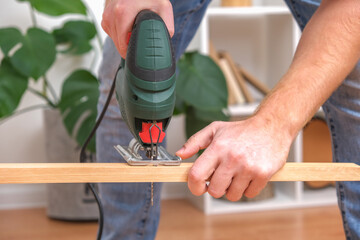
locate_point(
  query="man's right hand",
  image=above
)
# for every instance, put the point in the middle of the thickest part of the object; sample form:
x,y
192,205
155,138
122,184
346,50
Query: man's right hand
x,y
119,16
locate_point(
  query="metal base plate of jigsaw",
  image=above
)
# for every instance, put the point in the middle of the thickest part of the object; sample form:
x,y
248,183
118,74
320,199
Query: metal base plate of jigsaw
x,y
132,157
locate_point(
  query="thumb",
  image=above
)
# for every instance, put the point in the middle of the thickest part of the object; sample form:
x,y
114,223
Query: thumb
x,y
198,141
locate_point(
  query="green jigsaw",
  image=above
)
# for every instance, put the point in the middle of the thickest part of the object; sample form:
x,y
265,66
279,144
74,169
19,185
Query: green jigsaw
x,y
145,90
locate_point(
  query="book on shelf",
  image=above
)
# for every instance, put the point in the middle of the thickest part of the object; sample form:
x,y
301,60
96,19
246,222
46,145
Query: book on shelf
x,y
241,81
253,80
236,77
235,94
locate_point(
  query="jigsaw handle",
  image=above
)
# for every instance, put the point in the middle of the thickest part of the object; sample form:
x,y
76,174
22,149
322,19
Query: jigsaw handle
x,y
150,55
145,83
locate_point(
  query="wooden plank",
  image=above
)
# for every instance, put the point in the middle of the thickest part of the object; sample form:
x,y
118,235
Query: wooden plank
x,y
318,172
90,172
122,172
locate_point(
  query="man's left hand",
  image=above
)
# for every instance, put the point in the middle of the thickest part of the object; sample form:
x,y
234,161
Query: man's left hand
x,y
240,157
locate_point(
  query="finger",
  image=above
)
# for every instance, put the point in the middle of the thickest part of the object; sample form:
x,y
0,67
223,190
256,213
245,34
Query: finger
x,y
165,11
237,187
220,182
202,170
116,40
255,187
105,21
110,29
117,21
123,26
198,141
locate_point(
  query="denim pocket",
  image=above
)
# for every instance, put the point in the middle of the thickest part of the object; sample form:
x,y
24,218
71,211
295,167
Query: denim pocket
x,y
183,7
187,15
302,10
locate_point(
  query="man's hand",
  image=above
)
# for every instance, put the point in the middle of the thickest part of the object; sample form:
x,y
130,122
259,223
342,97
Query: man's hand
x,y
240,157
119,16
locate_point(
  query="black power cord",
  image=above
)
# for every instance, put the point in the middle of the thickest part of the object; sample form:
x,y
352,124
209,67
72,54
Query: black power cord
x,y
83,157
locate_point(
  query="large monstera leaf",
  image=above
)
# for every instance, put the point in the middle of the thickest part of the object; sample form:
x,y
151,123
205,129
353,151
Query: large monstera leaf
x,y
9,38
201,92
78,104
197,119
12,87
57,7
77,34
193,124
36,55
200,82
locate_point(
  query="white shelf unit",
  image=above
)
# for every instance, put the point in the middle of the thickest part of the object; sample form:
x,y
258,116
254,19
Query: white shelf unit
x,y
262,40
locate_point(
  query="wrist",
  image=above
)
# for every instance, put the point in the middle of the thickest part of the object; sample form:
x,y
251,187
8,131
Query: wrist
x,y
276,121
290,104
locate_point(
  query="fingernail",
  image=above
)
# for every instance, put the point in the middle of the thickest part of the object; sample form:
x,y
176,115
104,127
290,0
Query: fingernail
x,y
180,151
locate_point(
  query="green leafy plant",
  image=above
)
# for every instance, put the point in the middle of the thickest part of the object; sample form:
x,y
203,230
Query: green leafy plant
x,y
27,57
201,92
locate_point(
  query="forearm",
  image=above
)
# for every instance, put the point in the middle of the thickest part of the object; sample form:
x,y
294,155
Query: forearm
x,y
328,50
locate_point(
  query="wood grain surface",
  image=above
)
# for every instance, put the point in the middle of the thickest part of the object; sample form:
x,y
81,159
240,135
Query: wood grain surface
x,y
317,147
122,172
181,220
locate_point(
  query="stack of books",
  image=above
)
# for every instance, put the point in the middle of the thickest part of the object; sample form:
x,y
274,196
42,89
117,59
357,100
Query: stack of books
x,y
237,78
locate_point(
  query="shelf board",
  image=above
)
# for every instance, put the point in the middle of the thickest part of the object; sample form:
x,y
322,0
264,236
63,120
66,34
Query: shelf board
x,y
319,197
279,201
242,109
246,11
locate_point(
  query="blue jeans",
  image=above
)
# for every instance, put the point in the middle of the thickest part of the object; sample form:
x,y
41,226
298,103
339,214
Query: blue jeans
x,y
342,112
127,208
